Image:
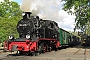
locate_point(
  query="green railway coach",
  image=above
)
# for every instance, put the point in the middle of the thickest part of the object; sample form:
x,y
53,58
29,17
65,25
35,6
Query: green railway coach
x,y
66,38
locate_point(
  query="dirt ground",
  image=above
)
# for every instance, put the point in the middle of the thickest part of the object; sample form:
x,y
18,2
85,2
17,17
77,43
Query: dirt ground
x,y
74,53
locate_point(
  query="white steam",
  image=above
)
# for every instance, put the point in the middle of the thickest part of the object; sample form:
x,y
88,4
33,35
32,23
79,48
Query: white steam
x,y
27,5
49,9
46,9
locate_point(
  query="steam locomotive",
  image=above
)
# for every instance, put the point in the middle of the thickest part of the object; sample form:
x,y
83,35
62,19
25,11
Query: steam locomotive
x,y
85,40
35,36
38,36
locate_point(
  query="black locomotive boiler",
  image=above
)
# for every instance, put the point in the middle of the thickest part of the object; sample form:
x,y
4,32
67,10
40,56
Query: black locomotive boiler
x,y
36,27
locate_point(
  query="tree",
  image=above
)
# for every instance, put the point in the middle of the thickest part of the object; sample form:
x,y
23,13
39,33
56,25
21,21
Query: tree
x,y
81,11
10,14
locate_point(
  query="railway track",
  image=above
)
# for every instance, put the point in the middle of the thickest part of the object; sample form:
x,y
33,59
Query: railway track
x,y
85,52
79,51
1,51
82,52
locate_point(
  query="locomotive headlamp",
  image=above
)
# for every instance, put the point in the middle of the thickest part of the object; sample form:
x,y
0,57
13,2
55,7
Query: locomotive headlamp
x,y
28,36
23,14
11,37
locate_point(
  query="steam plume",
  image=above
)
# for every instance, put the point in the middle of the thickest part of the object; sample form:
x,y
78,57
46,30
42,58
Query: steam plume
x,y
46,9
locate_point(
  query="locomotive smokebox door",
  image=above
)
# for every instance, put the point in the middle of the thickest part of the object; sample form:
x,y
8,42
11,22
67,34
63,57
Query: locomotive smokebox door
x,y
26,15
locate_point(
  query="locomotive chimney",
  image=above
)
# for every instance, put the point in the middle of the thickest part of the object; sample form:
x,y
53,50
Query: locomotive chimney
x,y
27,15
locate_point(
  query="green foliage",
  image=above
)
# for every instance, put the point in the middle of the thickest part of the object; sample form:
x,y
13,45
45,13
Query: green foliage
x,y
81,11
10,14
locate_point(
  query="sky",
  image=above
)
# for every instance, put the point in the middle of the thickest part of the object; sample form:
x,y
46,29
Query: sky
x,y
51,10
19,1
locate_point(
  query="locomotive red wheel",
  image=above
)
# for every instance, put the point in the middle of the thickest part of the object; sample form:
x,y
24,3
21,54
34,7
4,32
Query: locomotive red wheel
x,y
33,54
37,53
56,49
50,49
20,52
44,50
